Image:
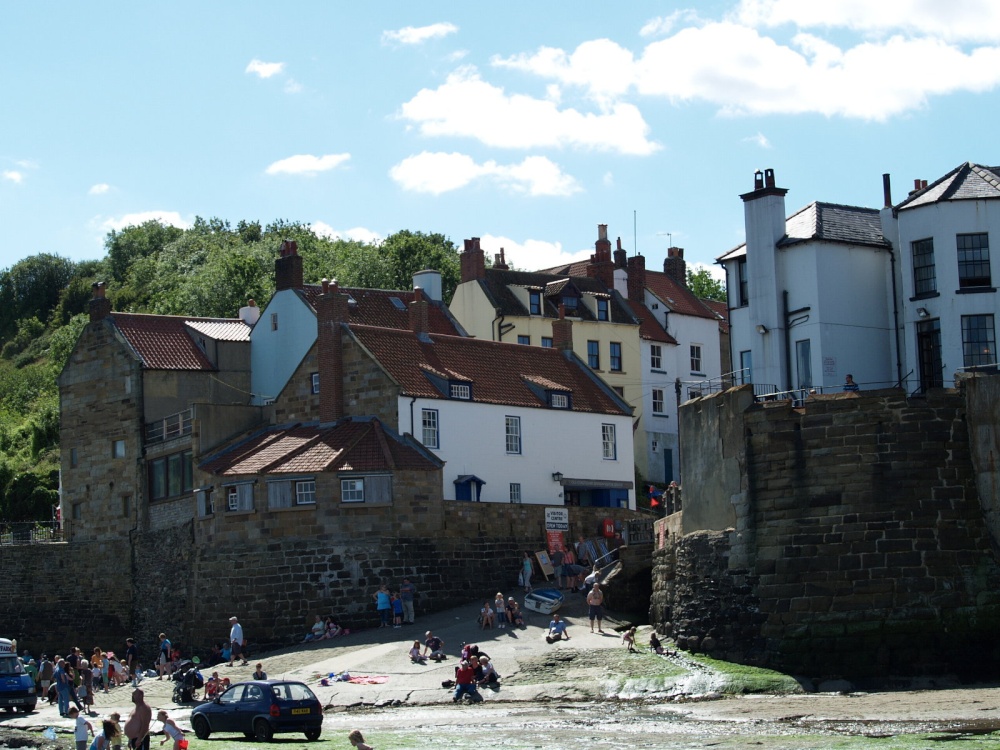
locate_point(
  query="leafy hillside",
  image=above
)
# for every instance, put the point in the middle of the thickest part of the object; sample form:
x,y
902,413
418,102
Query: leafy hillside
x,y
210,269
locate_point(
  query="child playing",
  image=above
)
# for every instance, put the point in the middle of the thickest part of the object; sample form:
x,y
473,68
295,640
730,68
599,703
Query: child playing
x,y
170,730
415,656
357,740
654,643
116,737
501,609
628,638
397,610
104,739
81,728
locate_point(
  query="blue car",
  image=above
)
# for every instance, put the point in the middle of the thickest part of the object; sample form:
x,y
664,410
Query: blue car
x,y
260,709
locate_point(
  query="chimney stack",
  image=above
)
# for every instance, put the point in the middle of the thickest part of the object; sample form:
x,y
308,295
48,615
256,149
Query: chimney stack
x,y
331,316
674,265
637,279
473,261
562,331
621,257
288,267
500,262
886,191
601,266
418,312
100,305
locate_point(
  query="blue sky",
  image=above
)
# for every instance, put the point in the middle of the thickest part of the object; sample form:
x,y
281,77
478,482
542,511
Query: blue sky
x,y
526,124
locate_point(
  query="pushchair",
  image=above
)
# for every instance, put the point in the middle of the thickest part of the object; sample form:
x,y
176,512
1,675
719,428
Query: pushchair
x,y
189,681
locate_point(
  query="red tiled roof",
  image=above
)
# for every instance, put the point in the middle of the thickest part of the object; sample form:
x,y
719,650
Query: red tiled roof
x,y
680,299
375,308
162,342
497,371
649,328
721,309
354,445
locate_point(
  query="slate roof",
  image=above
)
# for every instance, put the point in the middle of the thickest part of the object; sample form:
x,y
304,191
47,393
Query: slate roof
x,y
496,284
163,342
827,222
349,445
499,373
967,181
374,307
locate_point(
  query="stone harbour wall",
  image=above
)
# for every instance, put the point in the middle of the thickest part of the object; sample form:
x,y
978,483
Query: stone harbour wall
x,y
859,547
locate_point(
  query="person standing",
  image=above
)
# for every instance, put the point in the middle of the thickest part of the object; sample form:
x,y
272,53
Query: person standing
x,y
595,607
407,592
383,605
138,721
45,671
557,557
235,641
60,676
132,661
849,385
527,568
163,660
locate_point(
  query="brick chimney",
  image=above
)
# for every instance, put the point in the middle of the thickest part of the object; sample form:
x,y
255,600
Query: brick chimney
x,y
621,257
601,266
637,279
473,261
288,267
331,315
500,262
100,306
674,265
418,312
562,331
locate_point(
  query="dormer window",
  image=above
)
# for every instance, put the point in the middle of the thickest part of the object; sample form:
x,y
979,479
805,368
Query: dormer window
x,y
570,303
461,391
558,400
602,309
535,303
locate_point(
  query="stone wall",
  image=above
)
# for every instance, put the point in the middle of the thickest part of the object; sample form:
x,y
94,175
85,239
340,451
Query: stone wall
x,y
859,546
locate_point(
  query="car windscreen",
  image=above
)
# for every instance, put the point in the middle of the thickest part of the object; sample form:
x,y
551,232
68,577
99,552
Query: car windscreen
x,y
293,691
10,665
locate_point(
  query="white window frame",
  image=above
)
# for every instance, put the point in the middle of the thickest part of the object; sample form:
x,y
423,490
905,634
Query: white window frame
x,y
117,449
462,391
655,357
560,401
314,380
366,488
352,490
430,428
512,426
696,360
658,401
609,443
239,497
515,493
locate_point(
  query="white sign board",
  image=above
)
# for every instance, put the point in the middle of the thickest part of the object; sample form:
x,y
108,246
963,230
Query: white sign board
x,y
557,519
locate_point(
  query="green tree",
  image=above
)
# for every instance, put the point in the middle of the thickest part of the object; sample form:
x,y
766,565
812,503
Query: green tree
x,y
31,288
408,252
704,286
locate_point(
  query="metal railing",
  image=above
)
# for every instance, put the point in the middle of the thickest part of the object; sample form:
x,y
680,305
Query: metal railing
x,y
30,532
172,426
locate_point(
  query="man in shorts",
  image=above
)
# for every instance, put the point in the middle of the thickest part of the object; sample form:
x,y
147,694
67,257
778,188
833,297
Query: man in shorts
x,y
235,641
433,646
137,724
595,608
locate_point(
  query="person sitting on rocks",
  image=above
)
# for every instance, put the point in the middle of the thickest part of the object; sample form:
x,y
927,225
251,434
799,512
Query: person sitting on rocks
x,y
433,647
465,683
316,632
490,677
415,656
514,615
486,615
654,643
332,629
557,630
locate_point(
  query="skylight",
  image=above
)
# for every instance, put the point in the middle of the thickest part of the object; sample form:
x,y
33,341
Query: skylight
x,y
398,303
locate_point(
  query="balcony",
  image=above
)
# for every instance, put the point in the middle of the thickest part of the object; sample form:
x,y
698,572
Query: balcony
x,y
170,427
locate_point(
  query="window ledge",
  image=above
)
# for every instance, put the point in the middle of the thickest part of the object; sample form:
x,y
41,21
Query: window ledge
x,y
658,372
205,517
977,290
293,508
924,295
661,414
230,513
699,374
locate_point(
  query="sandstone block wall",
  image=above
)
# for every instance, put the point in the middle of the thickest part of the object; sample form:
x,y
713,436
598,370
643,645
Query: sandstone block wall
x,y
860,547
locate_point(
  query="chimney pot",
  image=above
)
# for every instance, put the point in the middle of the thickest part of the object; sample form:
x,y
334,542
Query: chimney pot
x,y
758,180
472,261
886,191
916,184
769,178
100,305
923,184
602,231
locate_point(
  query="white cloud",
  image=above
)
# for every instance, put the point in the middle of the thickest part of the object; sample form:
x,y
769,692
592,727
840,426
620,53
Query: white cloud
x,y
27,163
99,189
716,271
459,54
759,139
264,69
467,106
438,173
665,24
12,176
745,72
608,180
959,20
531,255
307,164
171,218
292,86
361,234
418,34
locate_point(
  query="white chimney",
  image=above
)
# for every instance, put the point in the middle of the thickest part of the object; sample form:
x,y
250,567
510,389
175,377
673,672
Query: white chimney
x,y
250,314
429,280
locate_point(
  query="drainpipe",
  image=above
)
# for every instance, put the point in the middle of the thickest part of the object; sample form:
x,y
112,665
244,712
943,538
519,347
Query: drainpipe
x,y
788,342
413,400
895,315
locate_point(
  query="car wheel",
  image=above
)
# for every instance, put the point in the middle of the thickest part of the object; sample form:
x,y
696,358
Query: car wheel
x,y
313,734
262,731
201,728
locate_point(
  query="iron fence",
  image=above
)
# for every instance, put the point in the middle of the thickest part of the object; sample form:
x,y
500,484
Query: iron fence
x,y
30,532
